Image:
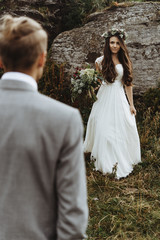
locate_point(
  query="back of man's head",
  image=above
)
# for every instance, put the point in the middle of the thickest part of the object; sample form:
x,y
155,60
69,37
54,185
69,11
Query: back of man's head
x,y
22,40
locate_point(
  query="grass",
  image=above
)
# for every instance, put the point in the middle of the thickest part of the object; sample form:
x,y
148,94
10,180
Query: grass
x,y
129,209
124,209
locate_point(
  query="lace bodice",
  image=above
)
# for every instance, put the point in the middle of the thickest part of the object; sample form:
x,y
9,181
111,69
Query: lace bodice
x,y
99,62
119,70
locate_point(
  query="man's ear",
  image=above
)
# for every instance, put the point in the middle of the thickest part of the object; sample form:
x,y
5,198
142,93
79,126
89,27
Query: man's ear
x,y
42,59
1,64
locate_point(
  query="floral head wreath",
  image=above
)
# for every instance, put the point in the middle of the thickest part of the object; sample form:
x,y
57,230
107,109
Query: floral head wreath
x,y
115,31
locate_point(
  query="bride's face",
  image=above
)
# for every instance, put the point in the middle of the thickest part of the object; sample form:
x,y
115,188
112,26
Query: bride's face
x,y
114,45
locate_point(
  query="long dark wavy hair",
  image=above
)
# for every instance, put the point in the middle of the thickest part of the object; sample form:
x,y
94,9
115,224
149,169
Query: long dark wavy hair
x,y
108,67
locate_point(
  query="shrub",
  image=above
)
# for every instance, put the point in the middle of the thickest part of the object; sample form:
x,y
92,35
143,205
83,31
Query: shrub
x,y
54,83
76,11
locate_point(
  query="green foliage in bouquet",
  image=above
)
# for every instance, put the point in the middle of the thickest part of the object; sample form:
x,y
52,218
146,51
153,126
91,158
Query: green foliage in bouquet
x,y
85,81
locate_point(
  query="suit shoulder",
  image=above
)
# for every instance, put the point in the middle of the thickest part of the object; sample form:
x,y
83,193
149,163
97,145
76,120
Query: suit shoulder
x,y
51,104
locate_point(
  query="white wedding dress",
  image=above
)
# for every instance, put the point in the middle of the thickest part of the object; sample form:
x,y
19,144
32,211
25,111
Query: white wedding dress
x,y
111,134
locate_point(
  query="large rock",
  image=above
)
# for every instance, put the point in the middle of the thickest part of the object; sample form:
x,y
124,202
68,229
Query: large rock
x,y
142,23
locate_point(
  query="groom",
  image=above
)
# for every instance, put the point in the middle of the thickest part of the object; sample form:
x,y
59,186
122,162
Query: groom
x,y
42,173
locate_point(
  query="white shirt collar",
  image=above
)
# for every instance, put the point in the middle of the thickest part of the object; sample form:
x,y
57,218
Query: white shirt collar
x,y
18,76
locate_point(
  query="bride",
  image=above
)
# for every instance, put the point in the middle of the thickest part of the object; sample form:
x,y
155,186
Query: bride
x,y
111,134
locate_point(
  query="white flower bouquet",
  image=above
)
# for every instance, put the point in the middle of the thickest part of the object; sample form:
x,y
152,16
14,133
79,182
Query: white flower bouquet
x,y
85,81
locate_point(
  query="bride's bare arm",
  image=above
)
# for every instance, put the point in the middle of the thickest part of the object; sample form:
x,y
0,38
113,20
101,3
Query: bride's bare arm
x,y
97,67
129,92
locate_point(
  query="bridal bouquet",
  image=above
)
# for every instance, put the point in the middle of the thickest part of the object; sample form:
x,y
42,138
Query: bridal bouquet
x,y
85,80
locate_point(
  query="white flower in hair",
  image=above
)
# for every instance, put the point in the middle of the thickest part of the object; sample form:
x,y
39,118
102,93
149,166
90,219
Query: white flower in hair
x,y
105,35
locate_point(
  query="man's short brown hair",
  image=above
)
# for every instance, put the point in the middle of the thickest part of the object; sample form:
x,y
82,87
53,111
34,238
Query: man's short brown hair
x,y
22,40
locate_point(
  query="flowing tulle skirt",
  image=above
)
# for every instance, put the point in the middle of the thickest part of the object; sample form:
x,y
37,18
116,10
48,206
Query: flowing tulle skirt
x,y
111,134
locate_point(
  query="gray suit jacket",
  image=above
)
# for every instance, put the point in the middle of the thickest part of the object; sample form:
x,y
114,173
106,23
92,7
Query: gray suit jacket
x,y
42,172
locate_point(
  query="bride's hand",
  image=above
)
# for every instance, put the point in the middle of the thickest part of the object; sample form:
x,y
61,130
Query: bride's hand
x,y
133,110
96,88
